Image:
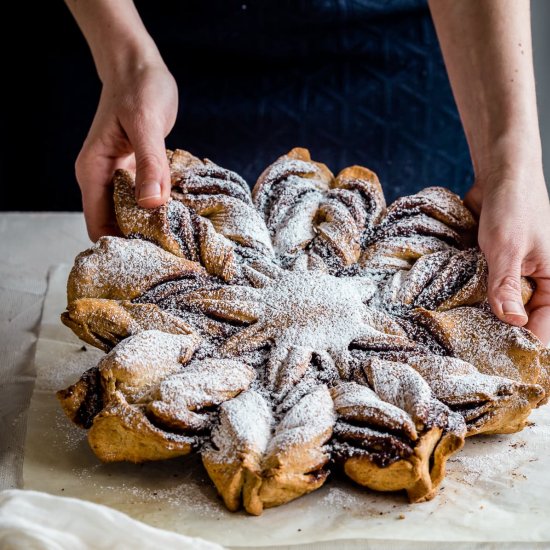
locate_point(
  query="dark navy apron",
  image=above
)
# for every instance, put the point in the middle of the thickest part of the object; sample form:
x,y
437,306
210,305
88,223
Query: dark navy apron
x,y
356,82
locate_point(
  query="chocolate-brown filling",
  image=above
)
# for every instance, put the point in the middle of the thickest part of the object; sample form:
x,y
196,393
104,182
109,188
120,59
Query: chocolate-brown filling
x,y
92,403
383,448
181,226
454,276
420,224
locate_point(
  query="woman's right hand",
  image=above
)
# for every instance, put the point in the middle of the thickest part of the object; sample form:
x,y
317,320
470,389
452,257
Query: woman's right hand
x,y
136,111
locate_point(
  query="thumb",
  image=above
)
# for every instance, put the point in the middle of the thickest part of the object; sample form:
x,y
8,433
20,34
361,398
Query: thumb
x,y
504,288
152,170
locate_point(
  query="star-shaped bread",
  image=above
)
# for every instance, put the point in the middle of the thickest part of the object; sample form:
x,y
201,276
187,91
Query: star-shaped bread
x,y
293,330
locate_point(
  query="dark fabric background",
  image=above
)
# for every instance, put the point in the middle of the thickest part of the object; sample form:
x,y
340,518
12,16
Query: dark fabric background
x,y
357,82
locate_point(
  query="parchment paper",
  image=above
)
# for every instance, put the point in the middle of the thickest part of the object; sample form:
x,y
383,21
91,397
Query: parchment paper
x,y
497,489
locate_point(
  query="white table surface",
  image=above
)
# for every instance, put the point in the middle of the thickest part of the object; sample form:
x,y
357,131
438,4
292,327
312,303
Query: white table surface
x,y
29,245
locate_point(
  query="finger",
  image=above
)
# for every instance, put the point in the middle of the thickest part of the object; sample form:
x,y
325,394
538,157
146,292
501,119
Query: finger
x,y
473,200
94,173
539,311
152,170
504,287
539,324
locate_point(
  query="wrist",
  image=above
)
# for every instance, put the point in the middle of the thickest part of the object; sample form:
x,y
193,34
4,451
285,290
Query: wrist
x,y
127,57
514,156
116,35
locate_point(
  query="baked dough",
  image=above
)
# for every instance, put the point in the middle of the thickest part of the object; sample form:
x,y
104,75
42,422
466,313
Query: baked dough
x,y
299,328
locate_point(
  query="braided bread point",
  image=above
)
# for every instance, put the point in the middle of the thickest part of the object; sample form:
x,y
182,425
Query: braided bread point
x,y
209,218
121,432
489,404
395,253
492,346
195,176
265,463
140,402
438,203
104,323
122,269
432,220
397,436
107,399
168,226
445,280
133,367
316,220
360,189
227,222
239,440
179,401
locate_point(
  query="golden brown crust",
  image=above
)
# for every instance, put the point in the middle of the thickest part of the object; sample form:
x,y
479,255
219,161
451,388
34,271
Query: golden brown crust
x,y
544,379
82,400
111,399
313,217
151,224
122,432
492,346
122,269
104,323
400,253
488,403
412,474
397,435
209,218
259,467
358,178
447,279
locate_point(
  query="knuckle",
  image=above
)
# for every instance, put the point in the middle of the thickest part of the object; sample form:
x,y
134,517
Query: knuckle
x,y
508,285
501,241
146,160
144,119
503,251
80,165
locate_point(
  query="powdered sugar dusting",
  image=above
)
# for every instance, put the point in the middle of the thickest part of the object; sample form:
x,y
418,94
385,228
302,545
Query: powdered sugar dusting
x,y
140,362
456,381
205,382
277,174
245,427
401,386
297,230
121,269
477,336
308,421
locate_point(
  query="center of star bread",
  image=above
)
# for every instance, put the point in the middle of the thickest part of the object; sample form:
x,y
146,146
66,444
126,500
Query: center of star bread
x,y
317,310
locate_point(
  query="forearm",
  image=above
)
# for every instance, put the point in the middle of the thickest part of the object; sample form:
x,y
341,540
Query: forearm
x,y
116,35
487,49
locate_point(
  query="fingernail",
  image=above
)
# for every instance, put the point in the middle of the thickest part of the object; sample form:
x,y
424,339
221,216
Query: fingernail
x,y
513,308
149,191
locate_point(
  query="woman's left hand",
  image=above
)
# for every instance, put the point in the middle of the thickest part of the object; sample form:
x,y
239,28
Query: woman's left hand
x,y
514,234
